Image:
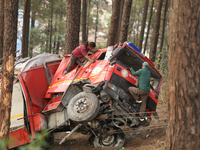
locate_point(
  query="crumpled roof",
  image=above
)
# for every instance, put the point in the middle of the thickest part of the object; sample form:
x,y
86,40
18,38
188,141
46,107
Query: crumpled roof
x,y
24,64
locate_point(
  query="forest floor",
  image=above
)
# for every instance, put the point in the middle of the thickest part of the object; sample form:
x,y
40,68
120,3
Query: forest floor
x,y
151,138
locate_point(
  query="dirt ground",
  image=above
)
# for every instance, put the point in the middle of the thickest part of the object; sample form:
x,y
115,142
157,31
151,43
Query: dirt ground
x,y
151,138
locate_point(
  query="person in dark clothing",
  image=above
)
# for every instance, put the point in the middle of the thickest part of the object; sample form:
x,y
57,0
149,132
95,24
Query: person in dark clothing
x,y
143,88
80,54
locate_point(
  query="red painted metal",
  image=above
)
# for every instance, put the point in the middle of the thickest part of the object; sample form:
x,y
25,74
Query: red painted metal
x,y
124,73
60,82
19,137
132,79
38,94
53,68
35,90
53,104
40,122
29,108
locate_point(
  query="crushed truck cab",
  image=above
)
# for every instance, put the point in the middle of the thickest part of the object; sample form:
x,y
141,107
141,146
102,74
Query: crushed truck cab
x,y
90,99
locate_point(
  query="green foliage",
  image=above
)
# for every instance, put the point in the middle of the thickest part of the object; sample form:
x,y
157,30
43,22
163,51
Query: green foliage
x,y
3,144
48,13
38,143
163,62
100,45
122,148
41,34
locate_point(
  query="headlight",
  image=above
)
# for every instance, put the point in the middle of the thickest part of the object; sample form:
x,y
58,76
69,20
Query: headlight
x,y
112,86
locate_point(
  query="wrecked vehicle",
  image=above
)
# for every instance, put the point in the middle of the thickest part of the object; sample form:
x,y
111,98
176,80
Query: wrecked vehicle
x,y
91,99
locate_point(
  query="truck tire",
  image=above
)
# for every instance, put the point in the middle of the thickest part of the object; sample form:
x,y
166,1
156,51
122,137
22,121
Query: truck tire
x,y
115,141
83,107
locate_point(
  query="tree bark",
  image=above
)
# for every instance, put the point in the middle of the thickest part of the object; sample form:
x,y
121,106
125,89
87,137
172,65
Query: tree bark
x,y
149,24
72,25
32,35
97,20
119,22
84,18
143,24
58,45
156,32
183,132
88,20
25,31
163,34
125,20
1,29
10,39
114,23
51,26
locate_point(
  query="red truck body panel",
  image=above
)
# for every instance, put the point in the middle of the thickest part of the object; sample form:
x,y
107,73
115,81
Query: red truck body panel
x,y
34,92
39,96
19,137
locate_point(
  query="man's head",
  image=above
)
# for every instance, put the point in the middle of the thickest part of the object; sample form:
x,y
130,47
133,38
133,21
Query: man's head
x,y
145,64
91,46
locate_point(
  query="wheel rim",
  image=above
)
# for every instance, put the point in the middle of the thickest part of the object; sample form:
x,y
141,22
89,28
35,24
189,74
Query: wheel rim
x,y
108,140
82,105
115,141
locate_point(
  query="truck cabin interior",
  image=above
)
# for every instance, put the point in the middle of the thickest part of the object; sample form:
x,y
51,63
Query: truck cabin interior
x,y
129,58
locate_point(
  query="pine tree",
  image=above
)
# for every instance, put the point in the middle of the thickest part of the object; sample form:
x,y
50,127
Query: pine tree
x,y
156,32
10,39
143,24
184,69
114,23
72,25
125,20
1,29
25,32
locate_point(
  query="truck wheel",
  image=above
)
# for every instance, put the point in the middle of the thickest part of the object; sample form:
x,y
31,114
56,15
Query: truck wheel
x,y
83,107
114,141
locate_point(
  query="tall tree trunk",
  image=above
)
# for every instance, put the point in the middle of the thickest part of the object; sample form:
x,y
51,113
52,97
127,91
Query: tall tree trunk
x,y
114,23
55,37
72,25
32,35
25,31
125,20
134,31
10,40
51,26
88,21
130,31
84,18
137,36
97,20
156,32
47,37
149,24
58,45
119,22
163,34
183,131
1,29
143,23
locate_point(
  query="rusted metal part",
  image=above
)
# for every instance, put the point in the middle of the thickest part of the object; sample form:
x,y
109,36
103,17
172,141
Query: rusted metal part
x,y
110,132
68,135
103,117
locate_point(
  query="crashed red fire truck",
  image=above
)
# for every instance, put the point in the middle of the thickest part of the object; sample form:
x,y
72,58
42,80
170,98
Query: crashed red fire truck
x,y
91,99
